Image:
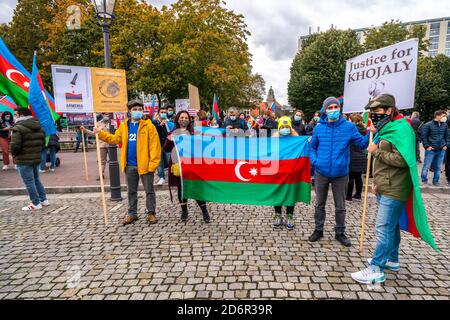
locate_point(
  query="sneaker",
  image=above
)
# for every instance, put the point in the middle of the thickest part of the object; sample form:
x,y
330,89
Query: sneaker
x,y
52,169
436,184
161,181
393,266
316,236
32,207
45,203
41,171
342,238
424,183
5,168
129,219
290,223
15,166
278,223
369,276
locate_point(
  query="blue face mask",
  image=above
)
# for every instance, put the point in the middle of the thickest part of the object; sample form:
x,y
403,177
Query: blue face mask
x,y
136,115
285,132
297,118
333,115
163,116
170,113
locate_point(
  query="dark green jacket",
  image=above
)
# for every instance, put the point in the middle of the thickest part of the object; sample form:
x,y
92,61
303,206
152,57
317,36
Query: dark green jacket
x,y
391,173
28,140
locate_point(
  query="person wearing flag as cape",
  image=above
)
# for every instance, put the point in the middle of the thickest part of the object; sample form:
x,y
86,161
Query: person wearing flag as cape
x,y
396,185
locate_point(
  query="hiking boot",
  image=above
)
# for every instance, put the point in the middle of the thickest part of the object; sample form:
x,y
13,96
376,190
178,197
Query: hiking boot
x,y
316,236
342,238
369,276
206,217
290,222
278,223
184,213
151,218
129,219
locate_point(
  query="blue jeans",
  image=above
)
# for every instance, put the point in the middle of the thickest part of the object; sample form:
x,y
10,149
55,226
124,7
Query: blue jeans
x,y
30,177
387,231
52,158
433,159
163,164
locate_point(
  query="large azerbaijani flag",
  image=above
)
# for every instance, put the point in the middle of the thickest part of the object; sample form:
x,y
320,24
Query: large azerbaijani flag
x,y
266,172
414,218
15,81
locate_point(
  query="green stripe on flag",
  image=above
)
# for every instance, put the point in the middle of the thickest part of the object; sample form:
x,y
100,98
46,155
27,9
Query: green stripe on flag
x,y
10,89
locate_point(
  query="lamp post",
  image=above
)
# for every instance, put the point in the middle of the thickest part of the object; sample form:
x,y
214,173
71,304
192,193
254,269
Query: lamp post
x,y
104,11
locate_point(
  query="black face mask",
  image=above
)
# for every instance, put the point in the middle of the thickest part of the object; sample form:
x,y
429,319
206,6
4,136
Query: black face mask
x,y
377,118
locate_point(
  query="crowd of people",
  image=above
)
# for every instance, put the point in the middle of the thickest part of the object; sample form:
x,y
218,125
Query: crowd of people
x,y
338,148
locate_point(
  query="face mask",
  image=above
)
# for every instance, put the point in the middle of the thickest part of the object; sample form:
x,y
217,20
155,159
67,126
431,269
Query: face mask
x,y
136,115
444,119
183,123
170,113
285,132
298,118
163,116
316,119
333,115
232,118
7,118
377,118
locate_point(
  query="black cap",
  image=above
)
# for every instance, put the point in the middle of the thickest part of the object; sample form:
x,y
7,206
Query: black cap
x,y
135,103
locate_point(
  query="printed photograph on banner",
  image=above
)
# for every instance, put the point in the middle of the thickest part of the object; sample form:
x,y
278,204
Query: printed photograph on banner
x,y
390,70
72,89
109,90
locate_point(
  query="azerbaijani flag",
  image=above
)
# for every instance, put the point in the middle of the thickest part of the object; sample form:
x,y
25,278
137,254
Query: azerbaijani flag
x,y
7,104
273,107
15,81
414,218
215,109
266,172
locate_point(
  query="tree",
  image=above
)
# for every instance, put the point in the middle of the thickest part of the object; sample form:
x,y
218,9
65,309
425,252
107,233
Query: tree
x,y
5,32
318,71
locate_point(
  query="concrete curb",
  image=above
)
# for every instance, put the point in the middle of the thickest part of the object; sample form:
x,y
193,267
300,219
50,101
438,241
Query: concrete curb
x,y
87,189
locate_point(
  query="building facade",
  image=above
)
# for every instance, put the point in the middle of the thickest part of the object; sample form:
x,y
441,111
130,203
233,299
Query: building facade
x,y
438,34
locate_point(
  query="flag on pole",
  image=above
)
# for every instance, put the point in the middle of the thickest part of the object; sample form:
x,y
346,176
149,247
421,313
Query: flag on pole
x,y
38,101
273,107
215,109
242,171
15,81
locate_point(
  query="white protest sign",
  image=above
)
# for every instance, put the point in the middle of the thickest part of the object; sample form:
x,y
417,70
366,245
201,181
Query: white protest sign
x,y
390,70
72,89
184,105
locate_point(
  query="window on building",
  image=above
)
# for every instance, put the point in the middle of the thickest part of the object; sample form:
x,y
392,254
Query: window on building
x,y
435,29
433,53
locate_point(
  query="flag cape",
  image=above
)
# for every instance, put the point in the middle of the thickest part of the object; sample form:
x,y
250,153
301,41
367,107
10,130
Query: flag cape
x,y
38,102
215,109
266,172
7,104
414,218
15,81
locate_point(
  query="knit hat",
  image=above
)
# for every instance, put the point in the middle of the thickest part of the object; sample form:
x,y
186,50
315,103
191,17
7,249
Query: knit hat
x,y
284,121
329,102
135,103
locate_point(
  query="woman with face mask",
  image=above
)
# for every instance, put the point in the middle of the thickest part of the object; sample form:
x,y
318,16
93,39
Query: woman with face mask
x,y
6,124
284,130
298,123
183,126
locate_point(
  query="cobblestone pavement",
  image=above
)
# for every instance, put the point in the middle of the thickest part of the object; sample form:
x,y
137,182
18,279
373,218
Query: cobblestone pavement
x,y
66,252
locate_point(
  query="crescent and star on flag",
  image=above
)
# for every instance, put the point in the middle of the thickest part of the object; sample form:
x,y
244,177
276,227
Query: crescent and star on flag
x,y
237,170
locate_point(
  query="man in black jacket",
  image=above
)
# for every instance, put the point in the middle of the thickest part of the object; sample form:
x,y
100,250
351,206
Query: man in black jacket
x,y
435,141
28,140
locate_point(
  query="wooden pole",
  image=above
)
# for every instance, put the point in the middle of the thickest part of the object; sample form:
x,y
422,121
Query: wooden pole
x,y
366,191
102,185
84,154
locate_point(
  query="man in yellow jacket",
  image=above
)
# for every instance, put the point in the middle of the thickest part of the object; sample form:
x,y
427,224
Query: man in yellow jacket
x,y
139,158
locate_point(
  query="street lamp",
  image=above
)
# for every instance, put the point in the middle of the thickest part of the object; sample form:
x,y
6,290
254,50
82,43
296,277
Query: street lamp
x,y
104,11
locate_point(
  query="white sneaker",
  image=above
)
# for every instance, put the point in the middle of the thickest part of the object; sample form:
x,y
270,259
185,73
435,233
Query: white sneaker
x,y
32,207
41,171
5,168
368,276
15,166
45,203
161,182
52,170
393,266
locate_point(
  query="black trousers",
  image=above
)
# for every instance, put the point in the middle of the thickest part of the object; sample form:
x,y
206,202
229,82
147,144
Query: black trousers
x,y
201,204
289,210
355,178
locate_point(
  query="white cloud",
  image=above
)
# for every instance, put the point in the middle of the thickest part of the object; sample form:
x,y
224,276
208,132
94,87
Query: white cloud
x,y
277,25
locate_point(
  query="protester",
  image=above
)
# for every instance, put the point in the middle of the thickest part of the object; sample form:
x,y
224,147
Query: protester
x,y
284,130
330,156
435,141
298,123
28,140
447,157
392,186
312,124
182,127
202,118
79,140
358,161
253,121
52,148
160,123
242,116
6,125
170,113
417,126
234,125
269,123
140,157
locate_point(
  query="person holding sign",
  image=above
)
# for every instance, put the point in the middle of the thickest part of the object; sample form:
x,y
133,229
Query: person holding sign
x,y
140,157
330,156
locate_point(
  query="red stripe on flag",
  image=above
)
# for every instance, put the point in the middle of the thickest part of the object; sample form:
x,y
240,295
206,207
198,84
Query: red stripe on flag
x,y
412,228
14,75
275,172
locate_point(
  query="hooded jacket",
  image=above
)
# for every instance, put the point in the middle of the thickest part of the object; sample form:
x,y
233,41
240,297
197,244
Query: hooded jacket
x,y
28,140
330,146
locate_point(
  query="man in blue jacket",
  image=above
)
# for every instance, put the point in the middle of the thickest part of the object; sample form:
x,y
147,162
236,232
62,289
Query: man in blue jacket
x,y
330,156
